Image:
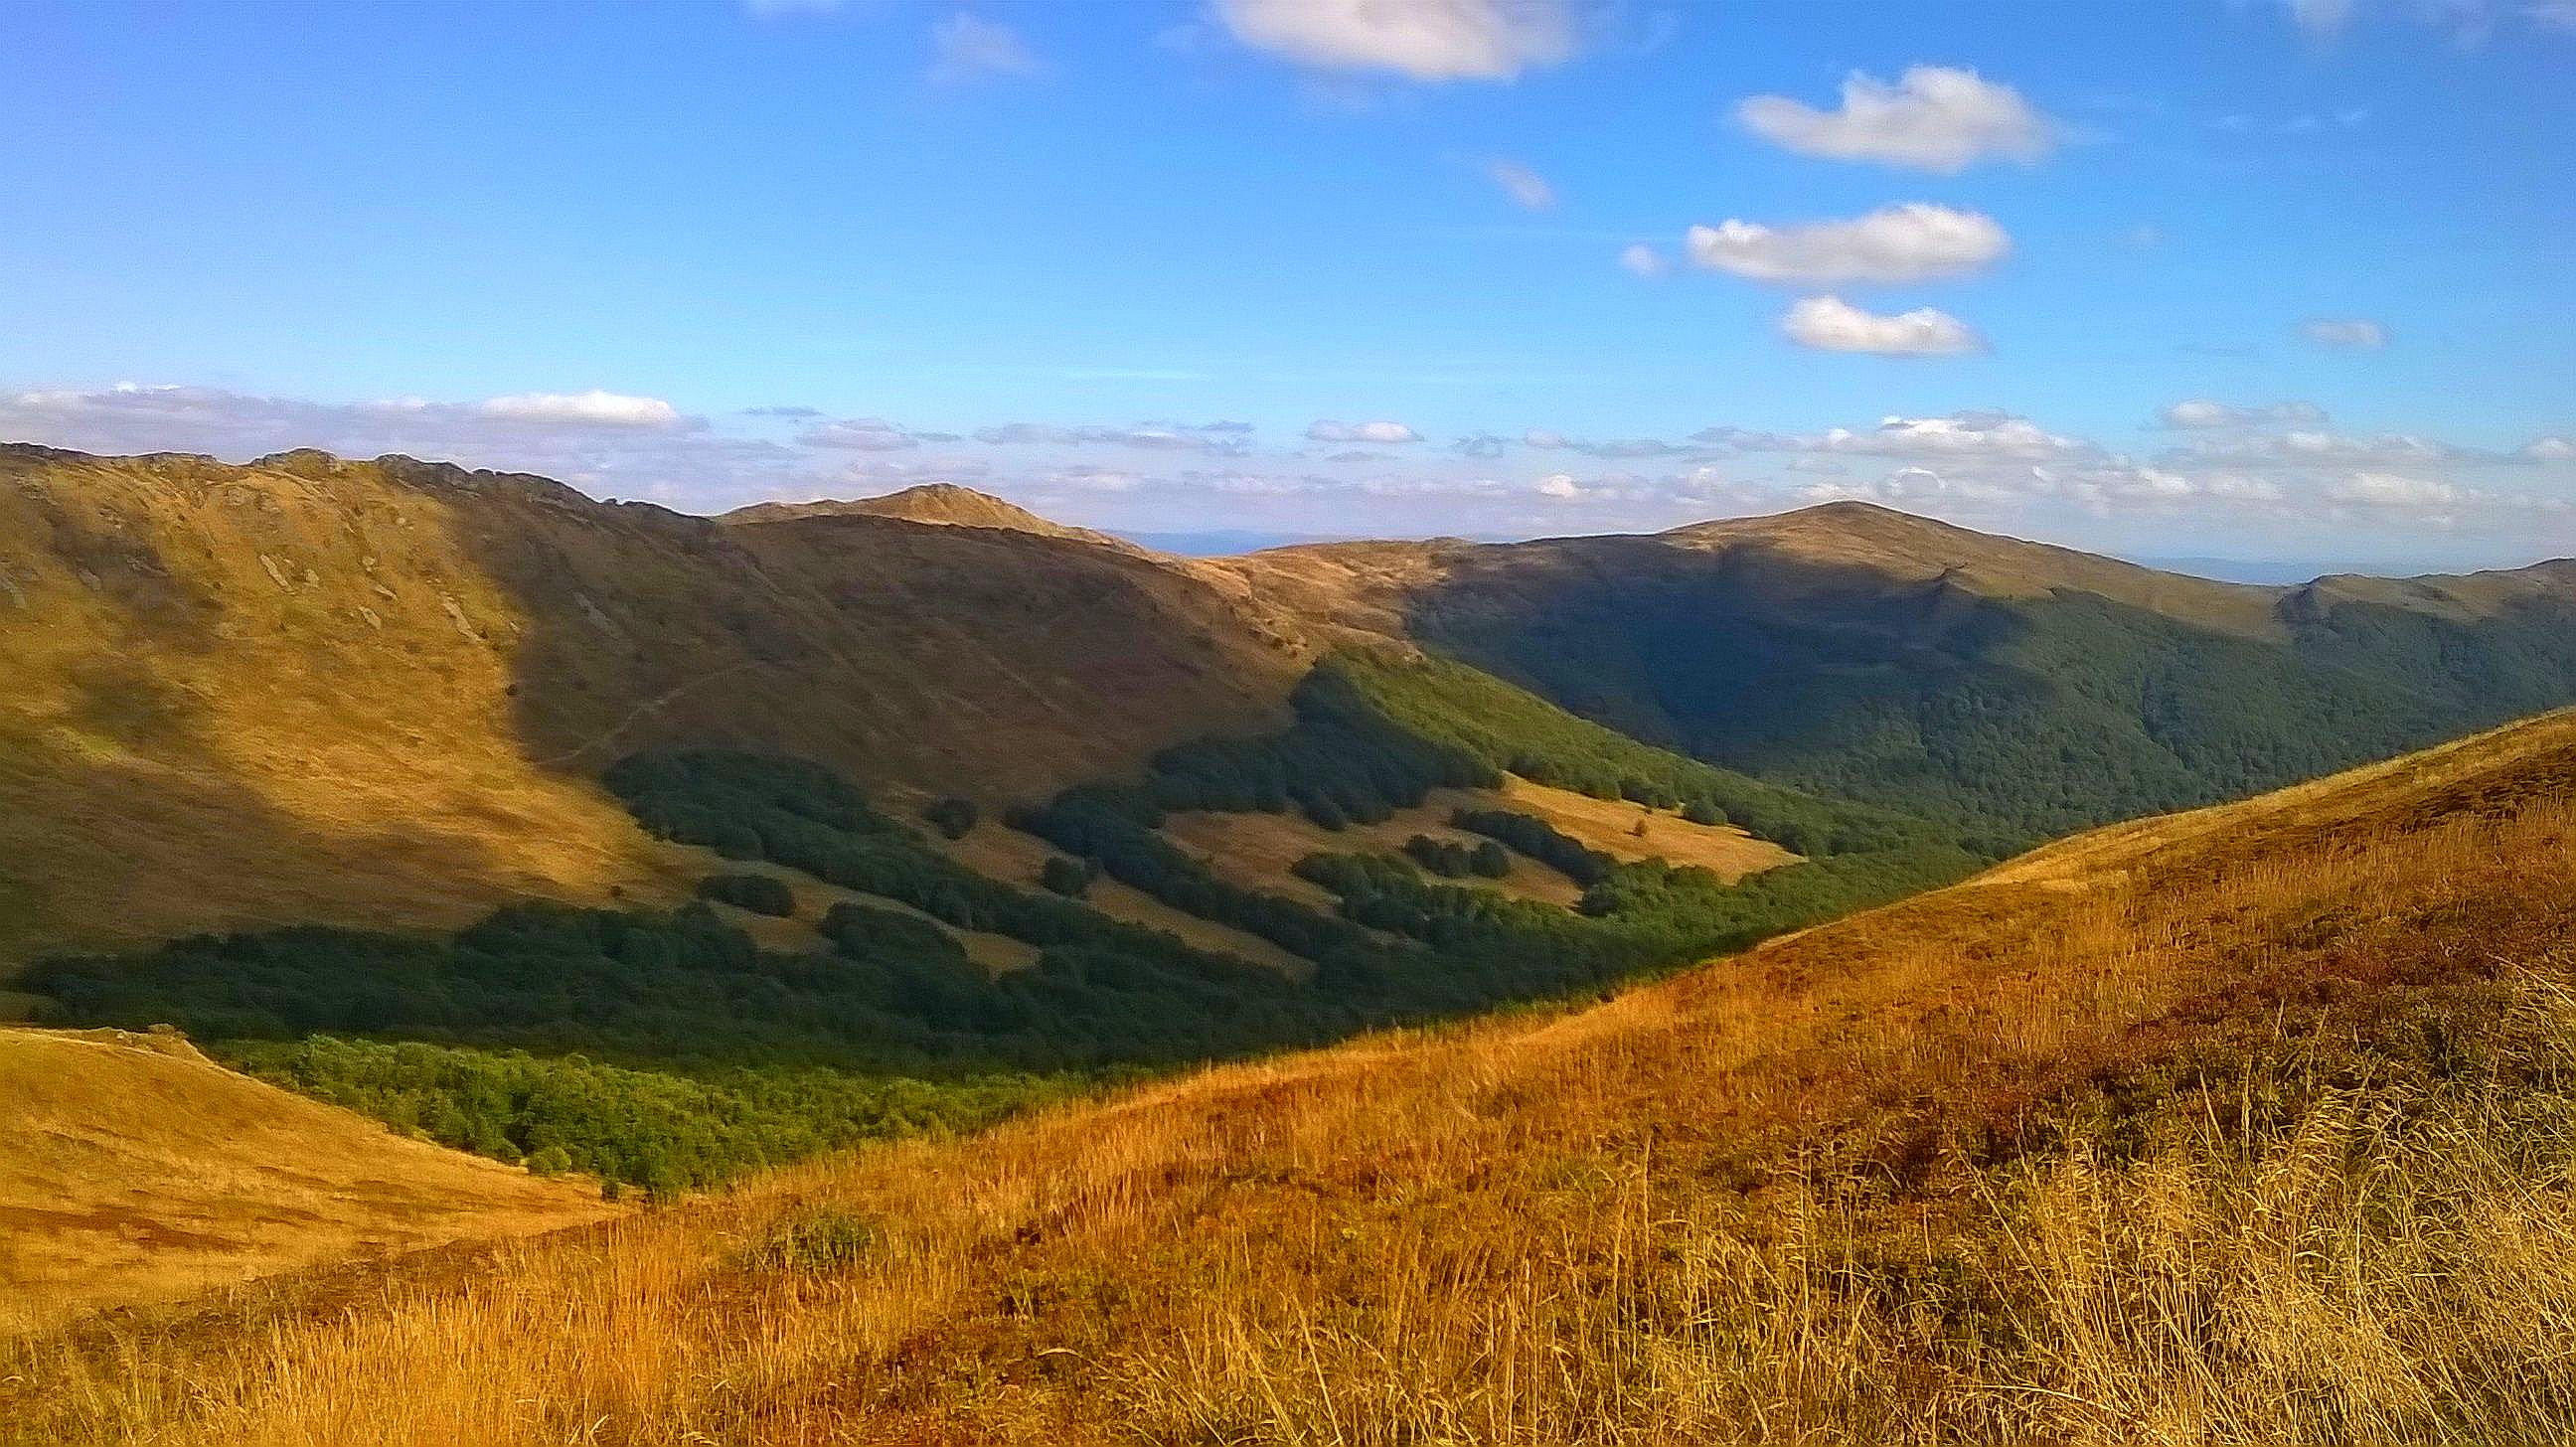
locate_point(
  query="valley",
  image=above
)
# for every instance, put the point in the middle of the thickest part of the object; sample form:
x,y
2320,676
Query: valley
x,y
738,868
2207,1100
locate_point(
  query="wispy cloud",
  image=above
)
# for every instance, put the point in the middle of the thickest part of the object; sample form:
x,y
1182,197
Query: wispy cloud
x,y
2348,333
967,48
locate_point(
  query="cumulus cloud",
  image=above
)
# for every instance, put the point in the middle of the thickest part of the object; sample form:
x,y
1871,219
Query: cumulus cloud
x,y
1559,485
967,47
584,409
2355,333
1381,433
1639,259
1428,40
1934,118
1527,188
1830,324
2548,449
1911,242
2199,413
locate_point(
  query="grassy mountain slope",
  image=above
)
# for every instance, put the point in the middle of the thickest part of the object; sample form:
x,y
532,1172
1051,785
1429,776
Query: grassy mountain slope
x,y
929,502
2012,689
377,693
134,1170
2242,1125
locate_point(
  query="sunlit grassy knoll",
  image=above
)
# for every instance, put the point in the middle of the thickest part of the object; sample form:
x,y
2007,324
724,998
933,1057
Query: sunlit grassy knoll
x,y
2260,1135
132,1170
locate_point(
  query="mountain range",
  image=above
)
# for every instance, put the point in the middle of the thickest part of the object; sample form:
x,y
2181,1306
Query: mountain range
x,y
605,853
380,693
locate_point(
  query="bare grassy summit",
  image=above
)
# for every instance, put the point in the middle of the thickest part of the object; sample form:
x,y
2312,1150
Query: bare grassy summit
x,y
2246,1126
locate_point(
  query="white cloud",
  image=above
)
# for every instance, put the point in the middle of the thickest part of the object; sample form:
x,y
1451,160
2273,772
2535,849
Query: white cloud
x,y
1911,242
1383,433
1560,485
2312,447
1984,435
2549,449
2390,490
1643,260
1527,188
1830,324
967,47
1934,118
585,409
1432,40
2359,333
2201,413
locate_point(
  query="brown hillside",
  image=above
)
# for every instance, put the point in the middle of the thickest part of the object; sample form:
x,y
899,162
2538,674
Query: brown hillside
x,y
2255,1136
376,692
132,1170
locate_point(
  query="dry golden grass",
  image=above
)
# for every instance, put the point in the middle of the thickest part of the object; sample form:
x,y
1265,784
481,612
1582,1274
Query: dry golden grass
x,y
2260,1139
997,953
1263,849
1015,858
133,1170
1610,825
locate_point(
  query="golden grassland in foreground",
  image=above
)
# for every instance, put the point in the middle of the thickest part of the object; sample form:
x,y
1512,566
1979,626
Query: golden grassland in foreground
x,y
2253,1126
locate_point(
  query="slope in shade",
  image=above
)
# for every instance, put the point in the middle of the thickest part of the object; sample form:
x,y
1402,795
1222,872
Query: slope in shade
x,y
375,693
2013,690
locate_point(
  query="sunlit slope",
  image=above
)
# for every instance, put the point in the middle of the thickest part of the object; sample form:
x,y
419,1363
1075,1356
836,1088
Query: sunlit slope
x,y
308,690
133,1170
2246,1135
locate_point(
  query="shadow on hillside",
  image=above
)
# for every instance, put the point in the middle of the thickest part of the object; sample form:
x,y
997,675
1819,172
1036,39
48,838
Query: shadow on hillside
x,y
994,663
2015,715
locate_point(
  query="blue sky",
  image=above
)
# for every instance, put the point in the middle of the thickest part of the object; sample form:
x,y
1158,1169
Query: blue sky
x,y
2253,280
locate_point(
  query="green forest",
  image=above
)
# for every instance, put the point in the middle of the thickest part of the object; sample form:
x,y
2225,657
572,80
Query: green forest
x,y
663,1049
2011,720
